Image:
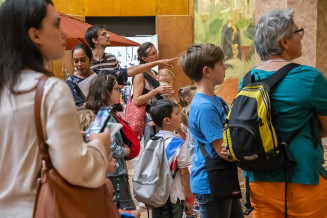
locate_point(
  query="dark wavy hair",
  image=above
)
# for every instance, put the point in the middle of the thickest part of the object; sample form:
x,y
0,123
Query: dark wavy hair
x,y
87,50
17,51
100,91
141,51
92,32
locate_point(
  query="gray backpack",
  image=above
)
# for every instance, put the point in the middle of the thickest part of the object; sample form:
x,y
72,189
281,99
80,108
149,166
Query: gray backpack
x,y
152,177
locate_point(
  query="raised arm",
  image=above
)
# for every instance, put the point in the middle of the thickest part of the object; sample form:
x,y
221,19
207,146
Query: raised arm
x,y
134,70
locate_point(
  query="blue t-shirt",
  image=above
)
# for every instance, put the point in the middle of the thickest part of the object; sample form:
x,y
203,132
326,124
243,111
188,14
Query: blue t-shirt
x,y
206,123
294,100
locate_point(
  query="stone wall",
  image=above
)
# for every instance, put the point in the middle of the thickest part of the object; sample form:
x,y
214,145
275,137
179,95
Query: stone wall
x,y
305,16
310,15
322,36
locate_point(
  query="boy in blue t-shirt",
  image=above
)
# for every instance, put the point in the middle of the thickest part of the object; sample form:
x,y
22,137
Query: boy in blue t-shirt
x,y
203,63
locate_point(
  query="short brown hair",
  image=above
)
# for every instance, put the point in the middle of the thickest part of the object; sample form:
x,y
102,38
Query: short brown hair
x,y
197,57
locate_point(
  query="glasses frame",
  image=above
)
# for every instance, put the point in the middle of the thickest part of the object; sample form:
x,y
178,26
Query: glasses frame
x,y
300,32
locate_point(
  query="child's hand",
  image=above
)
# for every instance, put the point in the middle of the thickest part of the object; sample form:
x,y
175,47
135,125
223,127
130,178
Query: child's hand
x,y
148,206
128,150
151,123
189,206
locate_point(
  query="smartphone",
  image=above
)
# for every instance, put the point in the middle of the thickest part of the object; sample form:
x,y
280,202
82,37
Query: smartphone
x,y
100,121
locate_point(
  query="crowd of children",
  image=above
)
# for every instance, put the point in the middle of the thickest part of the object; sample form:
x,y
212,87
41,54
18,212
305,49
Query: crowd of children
x,y
167,116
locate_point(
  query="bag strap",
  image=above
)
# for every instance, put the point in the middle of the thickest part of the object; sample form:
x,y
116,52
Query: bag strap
x,y
225,106
80,93
272,80
203,150
153,83
43,147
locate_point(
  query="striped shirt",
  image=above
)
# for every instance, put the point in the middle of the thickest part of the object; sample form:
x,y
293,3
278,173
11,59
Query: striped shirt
x,y
108,62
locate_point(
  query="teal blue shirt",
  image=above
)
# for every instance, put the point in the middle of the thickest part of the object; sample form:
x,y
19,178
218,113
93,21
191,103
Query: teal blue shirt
x,y
294,100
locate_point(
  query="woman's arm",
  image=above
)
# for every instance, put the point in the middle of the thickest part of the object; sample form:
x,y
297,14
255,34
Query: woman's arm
x,y
138,87
323,125
81,164
134,70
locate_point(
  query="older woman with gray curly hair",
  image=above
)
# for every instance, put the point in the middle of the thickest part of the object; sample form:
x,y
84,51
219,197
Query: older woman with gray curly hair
x,y
295,100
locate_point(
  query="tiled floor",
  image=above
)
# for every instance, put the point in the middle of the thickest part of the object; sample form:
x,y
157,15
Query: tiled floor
x,y
132,163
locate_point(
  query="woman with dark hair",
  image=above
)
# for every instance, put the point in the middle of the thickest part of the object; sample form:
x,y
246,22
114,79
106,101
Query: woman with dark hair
x,y
82,57
299,100
31,37
104,91
143,91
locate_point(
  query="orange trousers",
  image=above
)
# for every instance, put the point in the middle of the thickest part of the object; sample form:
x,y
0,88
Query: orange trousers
x,y
303,201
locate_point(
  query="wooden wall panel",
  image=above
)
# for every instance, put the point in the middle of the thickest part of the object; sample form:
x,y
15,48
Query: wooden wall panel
x,y
123,7
175,35
102,7
172,7
75,7
138,8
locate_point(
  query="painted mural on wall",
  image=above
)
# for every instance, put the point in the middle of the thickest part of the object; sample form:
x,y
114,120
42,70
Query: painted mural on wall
x,y
230,25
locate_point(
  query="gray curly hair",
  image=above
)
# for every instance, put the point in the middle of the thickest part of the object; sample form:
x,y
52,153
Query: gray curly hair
x,y
272,27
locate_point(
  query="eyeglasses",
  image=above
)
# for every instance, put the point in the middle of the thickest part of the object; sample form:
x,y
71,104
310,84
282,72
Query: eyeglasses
x,y
300,32
117,89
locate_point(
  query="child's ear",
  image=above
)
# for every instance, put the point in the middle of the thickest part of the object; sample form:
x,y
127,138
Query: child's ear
x,y
166,121
206,71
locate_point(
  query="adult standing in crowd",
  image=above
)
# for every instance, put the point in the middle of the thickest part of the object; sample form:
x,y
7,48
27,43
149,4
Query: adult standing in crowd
x,y
82,57
99,39
30,37
300,96
143,91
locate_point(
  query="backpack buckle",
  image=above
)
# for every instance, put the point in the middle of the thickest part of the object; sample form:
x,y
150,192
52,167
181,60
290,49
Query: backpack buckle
x,y
248,210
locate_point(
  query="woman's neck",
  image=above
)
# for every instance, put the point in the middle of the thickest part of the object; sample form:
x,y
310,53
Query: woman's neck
x,y
274,63
83,76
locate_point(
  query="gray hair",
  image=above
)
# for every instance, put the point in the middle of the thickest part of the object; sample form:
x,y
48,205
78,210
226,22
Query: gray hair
x,y
272,27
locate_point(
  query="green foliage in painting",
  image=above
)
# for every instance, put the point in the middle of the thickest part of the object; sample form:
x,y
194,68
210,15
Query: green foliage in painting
x,y
215,26
231,23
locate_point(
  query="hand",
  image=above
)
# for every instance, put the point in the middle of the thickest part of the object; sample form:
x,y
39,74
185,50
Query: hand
x,y
128,150
103,137
148,206
151,123
224,154
189,205
168,63
165,90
